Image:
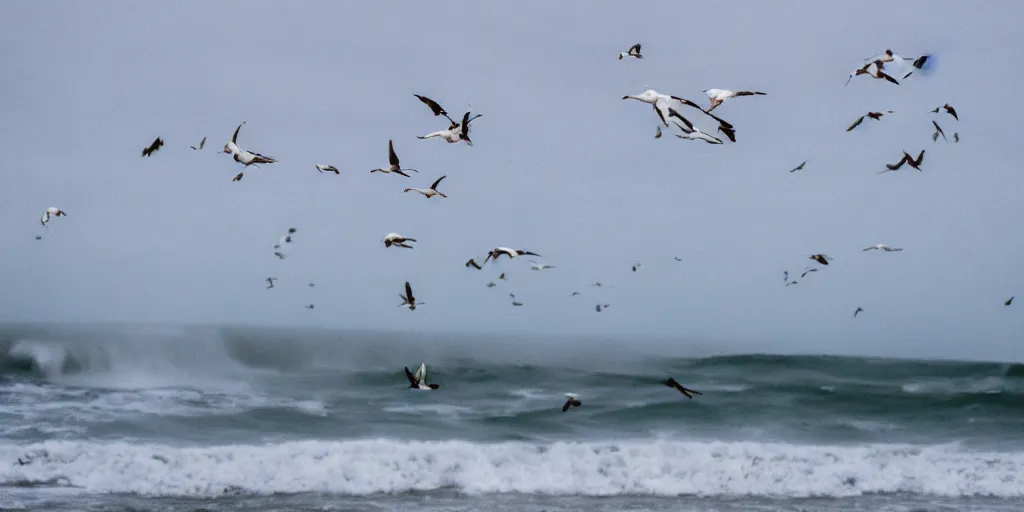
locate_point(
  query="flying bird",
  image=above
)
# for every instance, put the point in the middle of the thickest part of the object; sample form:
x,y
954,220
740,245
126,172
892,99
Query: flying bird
x,y
497,252
917,64
601,307
799,167
938,131
821,258
909,160
418,380
286,238
883,247
502,276
429,192
310,306
540,266
662,102
408,299
573,294
657,134
636,267
157,144
718,96
398,241
514,303
435,107
672,383
785,276
877,73
280,255
692,133
202,143
244,157
956,137
857,311
270,282
51,211
327,168
949,110
472,263
807,271
792,282
634,51
455,132
395,167
597,284
877,116
1008,301
573,400
490,284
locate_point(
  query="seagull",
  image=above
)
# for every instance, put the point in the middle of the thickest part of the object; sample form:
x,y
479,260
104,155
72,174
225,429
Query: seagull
x,y
691,133
662,102
502,277
597,284
395,167
327,168
408,299
418,380
1008,301
718,96
799,167
878,73
429,192
677,258
792,282
949,110
39,237
540,266
514,303
242,156
456,131
938,131
672,383
821,258
310,306
807,271
280,255
956,137
490,284
435,107
472,263
573,398
636,267
785,276
917,64
311,285
399,241
634,51
201,144
657,134
573,294
286,238
54,211
599,307
270,282
907,159
511,253
857,311
877,116
148,151
883,247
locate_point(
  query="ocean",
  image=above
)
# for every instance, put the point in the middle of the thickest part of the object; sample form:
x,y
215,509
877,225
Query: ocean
x,y
205,418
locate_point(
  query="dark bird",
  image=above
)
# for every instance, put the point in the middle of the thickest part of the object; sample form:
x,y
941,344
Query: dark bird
x,y
792,282
1008,301
435,107
956,137
464,133
634,51
573,294
657,134
511,253
573,401
785,276
909,160
857,311
270,282
672,383
280,255
202,143
677,258
395,166
311,285
473,264
809,270
157,144
938,130
408,299
799,167
39,237
502,277
491,284
949,110
877,116
821,258
23,463
311,306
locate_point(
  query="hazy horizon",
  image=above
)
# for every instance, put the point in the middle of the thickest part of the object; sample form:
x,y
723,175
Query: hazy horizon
x,y
560,165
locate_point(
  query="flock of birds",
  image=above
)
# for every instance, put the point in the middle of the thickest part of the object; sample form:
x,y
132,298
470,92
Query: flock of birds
x,y
674,113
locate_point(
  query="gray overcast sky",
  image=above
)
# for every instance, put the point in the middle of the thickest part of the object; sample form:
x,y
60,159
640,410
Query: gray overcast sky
x,y
561,165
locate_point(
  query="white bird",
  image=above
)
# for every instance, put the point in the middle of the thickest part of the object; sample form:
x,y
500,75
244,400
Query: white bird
x,y
327,168
395,166
540,266
244,157
883,247
634,51
418,380
54,211
662,103
429,192
397,240
718,96
456,132
511,253
689,131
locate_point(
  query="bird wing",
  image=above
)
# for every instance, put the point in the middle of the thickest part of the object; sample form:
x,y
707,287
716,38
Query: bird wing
x,y
412,378
635,49
951,111
392,157
262,159
434,186
897,165
568,403
421,373
408,291
202,143
749,93
472,263
939,130
527,253
920,157
801,166
465,125
234,138
435,107
856,123
673,113
887,77
660,113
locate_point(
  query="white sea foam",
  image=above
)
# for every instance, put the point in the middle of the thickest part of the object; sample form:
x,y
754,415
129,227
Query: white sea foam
x,y
659,467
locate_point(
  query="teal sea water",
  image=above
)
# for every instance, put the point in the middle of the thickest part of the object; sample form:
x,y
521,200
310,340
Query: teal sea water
x,y
160,418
